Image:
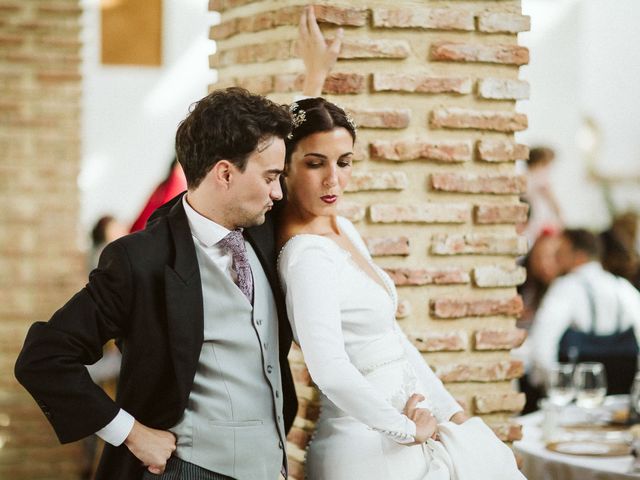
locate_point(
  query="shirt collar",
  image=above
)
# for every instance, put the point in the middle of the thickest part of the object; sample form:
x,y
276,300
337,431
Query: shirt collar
x,y
205,230
587,268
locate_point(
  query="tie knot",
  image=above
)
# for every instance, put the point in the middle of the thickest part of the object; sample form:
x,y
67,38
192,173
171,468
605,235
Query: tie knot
x,y
234,242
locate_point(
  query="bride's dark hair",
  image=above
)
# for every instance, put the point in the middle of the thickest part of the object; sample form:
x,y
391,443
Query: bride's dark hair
x,y
313,115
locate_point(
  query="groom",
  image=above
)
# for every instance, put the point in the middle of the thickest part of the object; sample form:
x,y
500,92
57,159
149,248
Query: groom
x,y
205,390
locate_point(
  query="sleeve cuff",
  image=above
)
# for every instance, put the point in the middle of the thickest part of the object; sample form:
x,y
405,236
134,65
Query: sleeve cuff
x,y
118,429
453,411
411,430
406,436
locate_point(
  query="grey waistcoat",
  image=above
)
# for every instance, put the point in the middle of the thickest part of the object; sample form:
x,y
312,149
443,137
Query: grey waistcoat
x,y
233,422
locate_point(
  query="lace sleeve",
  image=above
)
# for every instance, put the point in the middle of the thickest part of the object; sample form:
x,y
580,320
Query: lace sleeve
x,y
439,400
309,275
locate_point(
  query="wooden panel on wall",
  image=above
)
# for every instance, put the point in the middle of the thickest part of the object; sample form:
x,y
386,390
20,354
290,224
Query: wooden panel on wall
x,y
131,32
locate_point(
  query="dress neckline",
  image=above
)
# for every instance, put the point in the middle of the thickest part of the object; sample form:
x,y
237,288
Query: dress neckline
x,y
382,283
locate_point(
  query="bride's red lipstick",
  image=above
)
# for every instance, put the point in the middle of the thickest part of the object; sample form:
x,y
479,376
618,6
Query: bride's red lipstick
x,y
329,198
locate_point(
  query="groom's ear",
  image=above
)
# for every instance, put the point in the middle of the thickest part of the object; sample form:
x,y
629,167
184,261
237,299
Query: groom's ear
x,y
222,173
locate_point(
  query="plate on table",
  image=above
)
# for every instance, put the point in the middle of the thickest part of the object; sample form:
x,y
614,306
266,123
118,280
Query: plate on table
x,y
590,448
595,427
611,416
616,401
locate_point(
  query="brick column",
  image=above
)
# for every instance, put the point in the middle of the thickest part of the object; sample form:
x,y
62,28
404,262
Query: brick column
x,y
41,264
433,87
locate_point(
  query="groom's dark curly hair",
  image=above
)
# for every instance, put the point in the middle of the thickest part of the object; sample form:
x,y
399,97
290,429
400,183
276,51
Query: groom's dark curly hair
x,y
227,124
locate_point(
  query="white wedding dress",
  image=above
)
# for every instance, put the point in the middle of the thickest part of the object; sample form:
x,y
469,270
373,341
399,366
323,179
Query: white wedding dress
x,y
362,363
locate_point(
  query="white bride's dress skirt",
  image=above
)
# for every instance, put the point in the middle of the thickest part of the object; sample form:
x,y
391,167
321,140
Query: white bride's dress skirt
x,y
344,448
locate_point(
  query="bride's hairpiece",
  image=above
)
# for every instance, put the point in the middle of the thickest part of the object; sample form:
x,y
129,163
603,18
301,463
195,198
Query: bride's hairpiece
x,y
299,116
350,120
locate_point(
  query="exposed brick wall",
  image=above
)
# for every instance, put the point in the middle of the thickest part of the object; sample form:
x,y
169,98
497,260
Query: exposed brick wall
x,y
433,88
40,262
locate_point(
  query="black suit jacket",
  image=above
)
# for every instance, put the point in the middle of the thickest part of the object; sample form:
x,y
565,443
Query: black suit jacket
x,y
147,294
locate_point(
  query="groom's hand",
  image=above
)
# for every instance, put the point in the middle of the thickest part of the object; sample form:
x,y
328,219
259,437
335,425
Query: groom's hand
x,y
426,423
152,447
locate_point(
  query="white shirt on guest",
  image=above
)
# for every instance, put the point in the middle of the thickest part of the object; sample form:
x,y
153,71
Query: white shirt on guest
x,y
566,304
206,234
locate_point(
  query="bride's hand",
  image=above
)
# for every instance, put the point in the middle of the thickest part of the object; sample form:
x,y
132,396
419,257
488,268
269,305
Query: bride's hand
x,y
426,424
459,418
318,57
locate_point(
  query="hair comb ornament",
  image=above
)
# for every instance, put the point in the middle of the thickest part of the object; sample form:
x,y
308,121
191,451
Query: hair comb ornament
x,y
351,121
349,118
298,116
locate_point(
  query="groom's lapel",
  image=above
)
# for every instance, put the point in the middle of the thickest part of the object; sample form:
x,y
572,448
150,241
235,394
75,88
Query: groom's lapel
x,y
183,293
262,240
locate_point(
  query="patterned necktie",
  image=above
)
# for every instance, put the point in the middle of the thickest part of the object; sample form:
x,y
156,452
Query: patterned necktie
x,y
234,242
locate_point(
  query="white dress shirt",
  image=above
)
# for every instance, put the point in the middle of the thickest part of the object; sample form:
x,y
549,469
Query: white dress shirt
x,y
206,234
566,304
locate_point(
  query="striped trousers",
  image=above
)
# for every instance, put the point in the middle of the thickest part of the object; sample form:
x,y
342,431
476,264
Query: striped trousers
x,y
178,469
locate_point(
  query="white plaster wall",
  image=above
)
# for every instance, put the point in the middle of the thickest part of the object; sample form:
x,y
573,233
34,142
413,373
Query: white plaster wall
x,y
584,63
611,94
130,114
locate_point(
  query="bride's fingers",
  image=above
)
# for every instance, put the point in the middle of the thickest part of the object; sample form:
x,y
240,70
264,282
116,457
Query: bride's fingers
x,y
312,23
411,404
303,31
336,43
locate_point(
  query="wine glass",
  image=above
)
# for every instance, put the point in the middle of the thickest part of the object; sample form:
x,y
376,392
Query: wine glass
x,y
591,384
560,386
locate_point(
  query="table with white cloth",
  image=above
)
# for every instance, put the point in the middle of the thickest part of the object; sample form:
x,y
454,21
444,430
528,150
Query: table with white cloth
x,y
540,463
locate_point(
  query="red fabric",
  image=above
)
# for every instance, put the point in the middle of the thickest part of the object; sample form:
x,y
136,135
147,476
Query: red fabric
x,y
549,231
175,184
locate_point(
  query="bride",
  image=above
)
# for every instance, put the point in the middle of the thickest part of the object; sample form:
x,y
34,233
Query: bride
x,y
342,309
381,403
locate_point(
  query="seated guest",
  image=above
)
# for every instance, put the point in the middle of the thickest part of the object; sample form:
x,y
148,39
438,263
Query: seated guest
x,y
106,230
619,254
586,300
542,269
626,227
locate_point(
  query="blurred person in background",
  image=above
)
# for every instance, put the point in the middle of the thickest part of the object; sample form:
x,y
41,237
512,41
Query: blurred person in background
x,y
173,184
106,230
542,269
619,255
626,225
105,371
544,209
586,299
